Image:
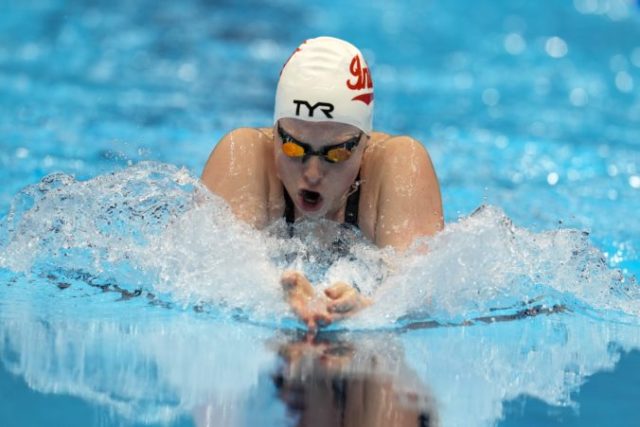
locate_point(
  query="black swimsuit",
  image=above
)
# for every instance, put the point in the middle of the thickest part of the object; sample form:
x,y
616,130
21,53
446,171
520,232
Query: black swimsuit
x,y
350,213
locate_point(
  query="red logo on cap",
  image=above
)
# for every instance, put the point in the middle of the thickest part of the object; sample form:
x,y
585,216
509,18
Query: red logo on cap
x,y
362,80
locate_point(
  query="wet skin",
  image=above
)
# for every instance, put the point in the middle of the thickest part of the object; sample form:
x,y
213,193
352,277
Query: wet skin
x,y
399,195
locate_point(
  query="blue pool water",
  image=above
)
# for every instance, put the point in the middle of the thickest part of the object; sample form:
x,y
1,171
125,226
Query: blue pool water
x,y
130,296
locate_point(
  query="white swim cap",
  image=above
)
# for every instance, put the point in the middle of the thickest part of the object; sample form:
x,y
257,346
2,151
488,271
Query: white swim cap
x,y
326,79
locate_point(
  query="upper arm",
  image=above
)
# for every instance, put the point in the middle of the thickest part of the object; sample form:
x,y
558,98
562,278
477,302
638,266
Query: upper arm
x,y
409,201
237,171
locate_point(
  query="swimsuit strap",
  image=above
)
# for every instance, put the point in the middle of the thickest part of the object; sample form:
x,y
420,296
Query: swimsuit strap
x,y
289,209
353,202
351,210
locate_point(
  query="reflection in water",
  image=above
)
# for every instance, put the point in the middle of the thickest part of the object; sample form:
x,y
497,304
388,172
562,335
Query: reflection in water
x,y
336,382
148,367
474,371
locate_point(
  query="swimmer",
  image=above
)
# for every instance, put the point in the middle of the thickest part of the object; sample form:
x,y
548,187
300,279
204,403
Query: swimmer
x,y
322,159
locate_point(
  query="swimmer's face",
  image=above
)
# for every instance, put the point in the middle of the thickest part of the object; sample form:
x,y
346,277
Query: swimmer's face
x,y
317,187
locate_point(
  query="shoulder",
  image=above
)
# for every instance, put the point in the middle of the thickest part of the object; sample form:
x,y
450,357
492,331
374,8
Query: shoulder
x,y
240,151
248,144
245,137
386,151
241,170
385,142
402,191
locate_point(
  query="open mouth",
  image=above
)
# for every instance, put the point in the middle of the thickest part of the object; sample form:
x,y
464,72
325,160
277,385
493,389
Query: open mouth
x,y
310,200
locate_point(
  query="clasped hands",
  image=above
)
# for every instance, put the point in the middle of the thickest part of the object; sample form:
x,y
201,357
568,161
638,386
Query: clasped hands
x,y
339,301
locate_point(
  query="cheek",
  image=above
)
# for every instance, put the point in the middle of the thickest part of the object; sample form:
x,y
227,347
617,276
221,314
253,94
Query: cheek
x,y
353,167
344,178
284,168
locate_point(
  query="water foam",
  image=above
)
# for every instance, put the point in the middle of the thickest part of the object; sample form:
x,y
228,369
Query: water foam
x,y
153,228
483,266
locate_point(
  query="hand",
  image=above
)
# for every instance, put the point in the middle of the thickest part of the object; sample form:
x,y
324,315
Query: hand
x,y
309,307
338,302
345,300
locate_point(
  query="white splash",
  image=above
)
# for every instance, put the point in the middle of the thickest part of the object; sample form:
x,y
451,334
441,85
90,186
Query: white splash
x,y
154,227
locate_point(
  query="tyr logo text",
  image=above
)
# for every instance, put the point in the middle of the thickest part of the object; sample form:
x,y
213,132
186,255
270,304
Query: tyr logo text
x,y
325,107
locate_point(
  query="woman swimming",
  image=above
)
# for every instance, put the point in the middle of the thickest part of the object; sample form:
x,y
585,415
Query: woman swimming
x,y
322,159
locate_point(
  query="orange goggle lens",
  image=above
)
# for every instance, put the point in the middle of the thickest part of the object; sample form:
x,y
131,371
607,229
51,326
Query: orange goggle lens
x,y
338,155
292,149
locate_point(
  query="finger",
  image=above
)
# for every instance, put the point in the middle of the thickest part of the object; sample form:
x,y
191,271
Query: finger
x,y
294,281
291,278
337,290
349,303
304,313
312,327
341,307
311,313
347,298
324,318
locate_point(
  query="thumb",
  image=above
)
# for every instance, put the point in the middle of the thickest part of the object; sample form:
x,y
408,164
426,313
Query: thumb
x,y
337,290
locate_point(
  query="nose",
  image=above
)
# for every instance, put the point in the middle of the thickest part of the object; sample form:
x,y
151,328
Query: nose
x,y
313,171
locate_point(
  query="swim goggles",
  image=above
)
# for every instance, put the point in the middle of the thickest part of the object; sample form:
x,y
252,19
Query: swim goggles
x,y
337,153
